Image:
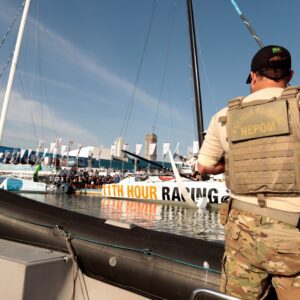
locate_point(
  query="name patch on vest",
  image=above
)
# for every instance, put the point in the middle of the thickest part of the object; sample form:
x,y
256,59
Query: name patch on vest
x,y
256,121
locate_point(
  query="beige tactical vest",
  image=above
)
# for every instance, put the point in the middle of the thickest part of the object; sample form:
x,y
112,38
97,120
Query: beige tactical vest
x,y
264,145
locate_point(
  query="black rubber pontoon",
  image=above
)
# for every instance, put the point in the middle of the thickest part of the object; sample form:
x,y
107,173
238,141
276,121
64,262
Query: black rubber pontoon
x,y
153,264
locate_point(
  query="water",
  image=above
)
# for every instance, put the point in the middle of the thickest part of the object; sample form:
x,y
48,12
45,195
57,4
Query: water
x,y
200,224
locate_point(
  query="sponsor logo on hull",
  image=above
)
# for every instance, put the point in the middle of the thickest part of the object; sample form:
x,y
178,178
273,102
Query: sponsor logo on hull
x,y
213,192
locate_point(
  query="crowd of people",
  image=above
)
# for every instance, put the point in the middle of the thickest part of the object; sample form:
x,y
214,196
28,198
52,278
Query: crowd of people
x,y
85,178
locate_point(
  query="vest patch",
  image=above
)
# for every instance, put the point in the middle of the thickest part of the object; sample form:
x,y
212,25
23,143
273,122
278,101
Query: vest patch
x,y
264,145
251,122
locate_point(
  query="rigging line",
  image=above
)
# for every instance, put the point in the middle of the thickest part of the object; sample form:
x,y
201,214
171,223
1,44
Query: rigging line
x,y
12,24
39,66
171,120
206,79
27,95
54,128
170,106
192,102
130,105
43,91
248,25
5,66
28,103
165,66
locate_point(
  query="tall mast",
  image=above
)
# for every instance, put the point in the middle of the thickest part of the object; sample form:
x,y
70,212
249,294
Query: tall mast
x,y
13,68
196,80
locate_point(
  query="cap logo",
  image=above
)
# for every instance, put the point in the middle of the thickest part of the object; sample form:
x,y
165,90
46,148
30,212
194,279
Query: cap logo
x,y
276,50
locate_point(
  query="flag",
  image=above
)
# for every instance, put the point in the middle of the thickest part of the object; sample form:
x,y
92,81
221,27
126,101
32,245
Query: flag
x,y
176,151
138,148
99,153
45,152
22,153
70,143
41,143
112,150
195,147
152,147
52,147
166,147
63,149
57,145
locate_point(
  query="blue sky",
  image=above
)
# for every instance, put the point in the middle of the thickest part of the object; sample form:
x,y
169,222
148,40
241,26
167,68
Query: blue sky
x,y
83,62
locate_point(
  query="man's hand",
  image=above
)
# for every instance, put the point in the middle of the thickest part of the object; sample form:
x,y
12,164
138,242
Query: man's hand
x,y
214,170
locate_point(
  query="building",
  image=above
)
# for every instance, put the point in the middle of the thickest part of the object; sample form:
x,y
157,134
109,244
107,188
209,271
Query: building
x,y
151,146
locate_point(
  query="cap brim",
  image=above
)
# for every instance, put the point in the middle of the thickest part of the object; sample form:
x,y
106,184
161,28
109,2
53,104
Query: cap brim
x,y
249,79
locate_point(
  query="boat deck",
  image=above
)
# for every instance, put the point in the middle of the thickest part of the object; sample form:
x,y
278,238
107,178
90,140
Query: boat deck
x,y
33,273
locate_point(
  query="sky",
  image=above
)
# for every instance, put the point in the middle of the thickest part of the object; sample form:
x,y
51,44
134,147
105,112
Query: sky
x,y
94,70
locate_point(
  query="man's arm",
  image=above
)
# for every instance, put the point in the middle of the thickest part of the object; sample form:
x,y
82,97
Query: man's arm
x,y
214,170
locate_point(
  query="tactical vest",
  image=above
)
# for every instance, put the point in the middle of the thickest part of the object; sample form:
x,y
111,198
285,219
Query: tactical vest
x,y
264,145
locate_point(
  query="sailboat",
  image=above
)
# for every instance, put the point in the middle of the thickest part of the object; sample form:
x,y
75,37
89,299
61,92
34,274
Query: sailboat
x,y
110,260
21,185
174,189
169,188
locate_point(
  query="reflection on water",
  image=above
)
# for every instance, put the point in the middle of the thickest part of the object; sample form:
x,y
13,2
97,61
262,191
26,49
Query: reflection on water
x,y
196,223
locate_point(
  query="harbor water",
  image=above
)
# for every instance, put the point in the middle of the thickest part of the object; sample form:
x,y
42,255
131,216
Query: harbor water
x,y
196,223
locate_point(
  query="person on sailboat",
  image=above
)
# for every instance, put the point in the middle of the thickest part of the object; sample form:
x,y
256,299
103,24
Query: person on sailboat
x,y
259,136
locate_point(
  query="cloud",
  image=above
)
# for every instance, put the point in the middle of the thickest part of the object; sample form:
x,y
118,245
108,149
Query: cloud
x,y
19,122
24,119
76,57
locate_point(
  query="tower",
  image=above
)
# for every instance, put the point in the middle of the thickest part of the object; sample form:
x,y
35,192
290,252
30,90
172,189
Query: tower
x,y
151,146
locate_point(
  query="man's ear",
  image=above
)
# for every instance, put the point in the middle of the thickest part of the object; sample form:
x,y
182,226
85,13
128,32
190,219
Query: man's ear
x,y
291,75
253,76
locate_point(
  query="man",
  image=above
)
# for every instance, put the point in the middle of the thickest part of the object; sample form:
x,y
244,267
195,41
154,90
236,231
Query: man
x,y
256,141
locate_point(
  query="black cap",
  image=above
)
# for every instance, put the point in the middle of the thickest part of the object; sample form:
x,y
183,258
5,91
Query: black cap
x,y
274,57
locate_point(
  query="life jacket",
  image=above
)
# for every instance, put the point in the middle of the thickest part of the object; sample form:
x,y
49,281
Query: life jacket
x,y
264,145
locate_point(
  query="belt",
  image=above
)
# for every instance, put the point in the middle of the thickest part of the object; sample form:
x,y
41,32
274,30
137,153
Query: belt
x,y
282,216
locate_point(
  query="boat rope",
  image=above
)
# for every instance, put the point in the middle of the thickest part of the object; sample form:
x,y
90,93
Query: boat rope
x,y
248,25
145,251
29,104
206,78
130,104
44,95
76,270
12,24
6,64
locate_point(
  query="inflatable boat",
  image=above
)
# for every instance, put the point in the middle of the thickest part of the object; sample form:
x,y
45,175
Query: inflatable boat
x,y
152,264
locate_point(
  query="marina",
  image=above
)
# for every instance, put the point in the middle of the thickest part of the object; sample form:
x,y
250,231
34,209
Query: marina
x,y
109,250
199,224
83,220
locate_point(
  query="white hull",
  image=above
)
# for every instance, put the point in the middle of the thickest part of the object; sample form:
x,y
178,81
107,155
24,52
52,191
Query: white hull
x,y
22,185
24,171
156,190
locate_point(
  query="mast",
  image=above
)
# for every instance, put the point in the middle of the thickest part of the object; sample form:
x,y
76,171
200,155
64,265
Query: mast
x,y
196,79
13,68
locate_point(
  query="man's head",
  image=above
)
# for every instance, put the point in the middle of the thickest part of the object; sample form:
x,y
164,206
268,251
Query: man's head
x,y
270,67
